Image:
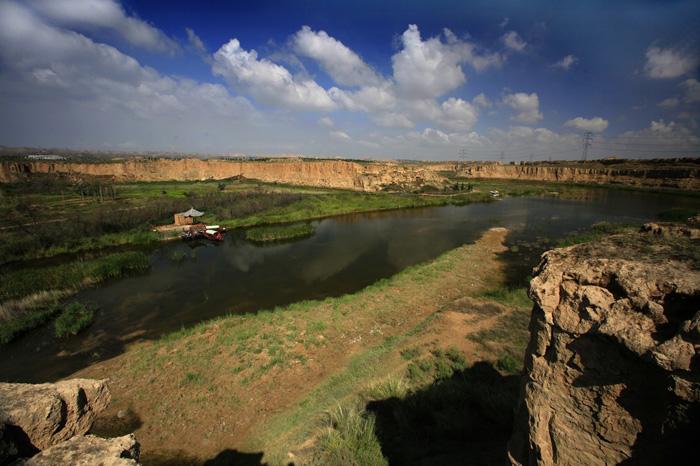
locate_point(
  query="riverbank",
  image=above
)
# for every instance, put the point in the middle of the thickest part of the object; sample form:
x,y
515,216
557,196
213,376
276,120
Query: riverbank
x,y
262,382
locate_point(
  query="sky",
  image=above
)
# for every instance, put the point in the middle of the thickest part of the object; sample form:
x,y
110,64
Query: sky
x,y
433,80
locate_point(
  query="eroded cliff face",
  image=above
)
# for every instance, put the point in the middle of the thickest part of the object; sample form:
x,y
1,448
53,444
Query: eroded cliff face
x,y
645,176
613,364
365,176
321,173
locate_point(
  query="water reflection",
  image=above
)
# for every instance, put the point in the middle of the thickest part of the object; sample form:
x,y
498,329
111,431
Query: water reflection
x,y
192,282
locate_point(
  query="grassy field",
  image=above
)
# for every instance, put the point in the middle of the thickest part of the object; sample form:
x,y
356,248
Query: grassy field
x,y
300,380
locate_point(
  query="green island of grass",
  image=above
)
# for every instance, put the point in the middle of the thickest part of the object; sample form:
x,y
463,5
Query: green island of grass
x,y
279,232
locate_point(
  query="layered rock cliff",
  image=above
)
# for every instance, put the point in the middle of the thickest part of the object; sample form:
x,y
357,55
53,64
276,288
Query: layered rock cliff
x,y
613,364
369,176
362,176
46,425
643,174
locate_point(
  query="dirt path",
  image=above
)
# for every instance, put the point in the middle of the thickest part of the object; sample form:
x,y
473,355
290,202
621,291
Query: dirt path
x,y
256,381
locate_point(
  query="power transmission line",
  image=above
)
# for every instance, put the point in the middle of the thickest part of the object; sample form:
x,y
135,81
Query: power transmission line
x,y
587,138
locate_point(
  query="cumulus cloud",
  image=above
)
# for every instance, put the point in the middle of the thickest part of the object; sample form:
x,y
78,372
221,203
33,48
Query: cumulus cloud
x,y
458,114
691,91
482,101
665,63
526,106
595,125
365,99
105,14
430,68
268,82
566,63
342,64
52,71
513,41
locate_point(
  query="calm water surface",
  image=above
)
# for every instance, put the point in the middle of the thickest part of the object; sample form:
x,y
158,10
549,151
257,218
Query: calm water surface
x,y
345,254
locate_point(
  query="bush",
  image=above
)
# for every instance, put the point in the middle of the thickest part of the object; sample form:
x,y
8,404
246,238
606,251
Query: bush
x,y
508,364
73,319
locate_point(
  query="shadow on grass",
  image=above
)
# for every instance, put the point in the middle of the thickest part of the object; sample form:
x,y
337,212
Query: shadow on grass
x,y
226,457
464,419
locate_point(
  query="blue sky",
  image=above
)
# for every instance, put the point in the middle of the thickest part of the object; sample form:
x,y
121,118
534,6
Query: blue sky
x,y
422,80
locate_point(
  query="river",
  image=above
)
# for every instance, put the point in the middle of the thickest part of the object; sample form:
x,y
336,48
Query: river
x,y
196,281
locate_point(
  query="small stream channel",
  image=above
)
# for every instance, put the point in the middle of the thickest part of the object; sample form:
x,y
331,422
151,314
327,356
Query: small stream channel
x,y
195,281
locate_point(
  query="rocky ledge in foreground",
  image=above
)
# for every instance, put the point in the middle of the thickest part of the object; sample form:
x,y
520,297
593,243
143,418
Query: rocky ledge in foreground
x,y
612,367
51,420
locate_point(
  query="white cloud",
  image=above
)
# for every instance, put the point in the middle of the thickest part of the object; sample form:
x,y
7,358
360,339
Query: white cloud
x,y
393,120
340,135
458,114
100,93
342,64
105,14
513,41
669,63
595,125
566,63
326,122
268,82
431,68
527,106
482,101
196,42
671,102
365,99
691,91
504,23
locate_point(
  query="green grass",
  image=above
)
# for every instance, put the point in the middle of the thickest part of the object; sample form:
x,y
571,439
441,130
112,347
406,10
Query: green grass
x,y
74,318
516,297
348,438
30,320
71,275
279,232
596,232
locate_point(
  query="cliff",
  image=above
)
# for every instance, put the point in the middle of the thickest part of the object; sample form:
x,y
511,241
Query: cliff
x,y
657,174
362,176
613,364
369,176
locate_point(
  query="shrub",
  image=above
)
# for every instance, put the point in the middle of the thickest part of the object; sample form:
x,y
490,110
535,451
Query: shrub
x,y
73,319
349,439
508,364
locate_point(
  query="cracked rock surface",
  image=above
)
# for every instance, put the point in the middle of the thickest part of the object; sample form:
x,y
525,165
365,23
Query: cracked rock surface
x,y
612,367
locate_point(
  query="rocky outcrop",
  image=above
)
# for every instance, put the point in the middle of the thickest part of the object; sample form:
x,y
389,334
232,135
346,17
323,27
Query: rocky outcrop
x,y
361,176
613,364
51,420
88,450
369,176
658,174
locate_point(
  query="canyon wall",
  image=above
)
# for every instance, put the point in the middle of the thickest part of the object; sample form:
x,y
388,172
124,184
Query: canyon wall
x,y
369,176
613,364
643,174
361,176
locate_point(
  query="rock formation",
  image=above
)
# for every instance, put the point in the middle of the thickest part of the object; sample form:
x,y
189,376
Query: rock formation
x,y
362,176
613,364
88,450
54,418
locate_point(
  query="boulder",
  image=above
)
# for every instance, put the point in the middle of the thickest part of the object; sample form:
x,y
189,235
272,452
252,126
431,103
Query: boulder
x,y
36,417
88,450
612,367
